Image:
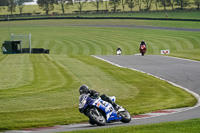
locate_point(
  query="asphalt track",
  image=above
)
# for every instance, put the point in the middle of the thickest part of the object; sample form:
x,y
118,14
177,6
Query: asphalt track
x,y
141,27
182,72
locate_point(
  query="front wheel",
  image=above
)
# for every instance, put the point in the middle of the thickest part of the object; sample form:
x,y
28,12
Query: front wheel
x,y
96,117
126,117
142,54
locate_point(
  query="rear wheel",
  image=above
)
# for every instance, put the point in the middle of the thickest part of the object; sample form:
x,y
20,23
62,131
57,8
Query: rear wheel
x,y
96,117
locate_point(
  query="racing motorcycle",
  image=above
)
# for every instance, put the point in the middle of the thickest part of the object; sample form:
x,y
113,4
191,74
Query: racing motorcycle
x,y
101,112
142,49
119,52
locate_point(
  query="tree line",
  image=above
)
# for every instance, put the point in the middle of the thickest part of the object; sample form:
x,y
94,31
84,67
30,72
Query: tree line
x,y
48,5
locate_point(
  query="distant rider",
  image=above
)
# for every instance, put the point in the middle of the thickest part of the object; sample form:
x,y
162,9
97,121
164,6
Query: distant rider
x,y
94,94
143,43
119,51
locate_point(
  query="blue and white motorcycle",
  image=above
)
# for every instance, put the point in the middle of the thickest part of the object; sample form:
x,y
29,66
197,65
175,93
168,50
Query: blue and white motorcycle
x,y
101,112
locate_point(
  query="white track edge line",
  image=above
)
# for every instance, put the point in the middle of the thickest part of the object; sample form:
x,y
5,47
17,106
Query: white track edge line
x,y
187,90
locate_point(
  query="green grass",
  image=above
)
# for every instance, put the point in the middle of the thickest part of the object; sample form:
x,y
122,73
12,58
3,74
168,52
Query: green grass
x,y
147,15
104,40
74,22
50,98
42,90
189,126
171,15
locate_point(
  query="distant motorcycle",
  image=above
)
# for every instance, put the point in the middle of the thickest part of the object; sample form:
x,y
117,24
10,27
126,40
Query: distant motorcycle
x,y
101,112
119,52
143,49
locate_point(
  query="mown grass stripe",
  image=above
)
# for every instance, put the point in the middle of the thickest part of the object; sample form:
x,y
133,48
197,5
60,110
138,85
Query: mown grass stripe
x,y
192,42
73,46
69,46
15,71
79,48
94,45
51,45
110,43
2,57
119,41
49,80
92,50
101,44
39,43
86,47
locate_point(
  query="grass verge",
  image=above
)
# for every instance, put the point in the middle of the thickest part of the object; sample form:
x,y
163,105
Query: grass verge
x,y
189,126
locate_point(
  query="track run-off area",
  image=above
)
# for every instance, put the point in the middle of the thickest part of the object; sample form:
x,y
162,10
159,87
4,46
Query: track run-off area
x,y
179,72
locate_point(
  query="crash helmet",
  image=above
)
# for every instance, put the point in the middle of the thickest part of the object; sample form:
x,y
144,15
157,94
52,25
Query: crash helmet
x,y
142,42
84,89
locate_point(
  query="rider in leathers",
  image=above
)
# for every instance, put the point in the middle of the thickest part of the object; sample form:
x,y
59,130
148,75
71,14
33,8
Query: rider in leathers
x,y
143,43
94,94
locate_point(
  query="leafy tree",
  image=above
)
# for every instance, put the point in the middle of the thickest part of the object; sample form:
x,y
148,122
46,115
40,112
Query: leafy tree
x,y
156,4
64,4
106,4
148,4
182,3
11,6
172,4
124,2
197,3
80,4
97,3
20,4
139,3
46,5
165,3
115,4
3,3
131,4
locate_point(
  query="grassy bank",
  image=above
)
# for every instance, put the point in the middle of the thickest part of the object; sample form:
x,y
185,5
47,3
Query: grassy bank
x,y
164,15
189,126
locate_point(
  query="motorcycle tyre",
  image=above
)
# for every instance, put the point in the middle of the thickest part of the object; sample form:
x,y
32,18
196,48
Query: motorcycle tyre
x,y
93,120
125,119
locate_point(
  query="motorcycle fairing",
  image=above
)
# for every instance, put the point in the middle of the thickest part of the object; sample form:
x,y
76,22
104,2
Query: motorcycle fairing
x,y
143,47
107,108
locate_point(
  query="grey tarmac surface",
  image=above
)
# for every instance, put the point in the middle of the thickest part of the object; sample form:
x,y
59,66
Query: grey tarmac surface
x,y
143,27
183,72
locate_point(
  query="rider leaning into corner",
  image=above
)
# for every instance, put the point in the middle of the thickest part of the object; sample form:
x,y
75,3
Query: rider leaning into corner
x,y
94,94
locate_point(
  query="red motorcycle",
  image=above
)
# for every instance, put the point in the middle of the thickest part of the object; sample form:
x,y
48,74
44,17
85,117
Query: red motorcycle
x,y
143,49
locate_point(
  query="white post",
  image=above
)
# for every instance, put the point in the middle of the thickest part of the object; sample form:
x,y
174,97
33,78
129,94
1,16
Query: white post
x,y
20,46
12,37
30,43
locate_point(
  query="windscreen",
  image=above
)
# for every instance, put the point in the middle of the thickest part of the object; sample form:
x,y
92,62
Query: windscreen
x,y
81,97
